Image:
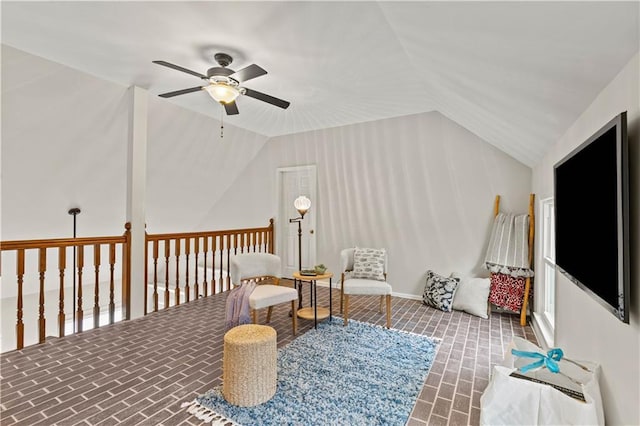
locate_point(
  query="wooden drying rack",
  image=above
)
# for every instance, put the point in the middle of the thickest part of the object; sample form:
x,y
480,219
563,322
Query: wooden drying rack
x,y
527,285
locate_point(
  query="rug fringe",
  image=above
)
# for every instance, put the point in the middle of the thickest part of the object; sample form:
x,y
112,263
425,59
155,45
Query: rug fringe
x,y
207,415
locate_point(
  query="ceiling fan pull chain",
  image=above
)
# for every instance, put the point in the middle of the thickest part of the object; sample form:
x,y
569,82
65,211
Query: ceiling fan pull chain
x,y
221,124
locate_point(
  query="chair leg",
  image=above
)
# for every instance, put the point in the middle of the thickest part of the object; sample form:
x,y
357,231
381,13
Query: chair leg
x,y
388,311
269,314
254,316
346,309
341,291
294,317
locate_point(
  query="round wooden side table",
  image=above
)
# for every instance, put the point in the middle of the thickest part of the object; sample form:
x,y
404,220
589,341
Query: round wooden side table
x,y
314,311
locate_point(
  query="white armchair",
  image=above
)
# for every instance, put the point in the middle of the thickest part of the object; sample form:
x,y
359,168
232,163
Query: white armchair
x,y
362,286
258,266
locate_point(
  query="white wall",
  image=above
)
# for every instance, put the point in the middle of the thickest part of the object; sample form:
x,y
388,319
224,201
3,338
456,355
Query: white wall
x,y
64,144
584,329
421,186
189,166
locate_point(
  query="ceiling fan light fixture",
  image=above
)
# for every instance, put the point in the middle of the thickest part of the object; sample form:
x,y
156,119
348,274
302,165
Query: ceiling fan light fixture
x,y
222,92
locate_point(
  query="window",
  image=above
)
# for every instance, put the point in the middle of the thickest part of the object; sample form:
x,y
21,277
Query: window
x,y
546,310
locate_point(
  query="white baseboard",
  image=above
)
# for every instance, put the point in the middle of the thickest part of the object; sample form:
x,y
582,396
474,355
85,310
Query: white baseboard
x,y
407,296
336,285
543,332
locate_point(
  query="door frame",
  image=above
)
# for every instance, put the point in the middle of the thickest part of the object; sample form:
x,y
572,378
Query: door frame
x,y
282,218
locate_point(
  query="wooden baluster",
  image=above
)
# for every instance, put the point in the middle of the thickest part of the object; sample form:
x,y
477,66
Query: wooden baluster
x,y
205,250
112,264
225,263
236,243
62,264
80,265
196,249
42,260
177,248
241,239
167,252
235,238
224,241
255,241
261,240
96,288
187,251
224,244
214,287
20,276
229,244
155,275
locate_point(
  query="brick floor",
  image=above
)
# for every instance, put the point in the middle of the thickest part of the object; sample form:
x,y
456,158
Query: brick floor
x,y
139,372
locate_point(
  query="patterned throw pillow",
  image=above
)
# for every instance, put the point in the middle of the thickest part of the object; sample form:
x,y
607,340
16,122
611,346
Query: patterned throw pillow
x,y
439,291
368,263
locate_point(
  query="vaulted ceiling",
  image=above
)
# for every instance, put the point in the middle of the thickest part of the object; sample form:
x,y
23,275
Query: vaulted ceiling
x,y
516,74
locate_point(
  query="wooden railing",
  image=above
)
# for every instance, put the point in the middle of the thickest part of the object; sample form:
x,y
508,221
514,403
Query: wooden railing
x,y
58,247
196,263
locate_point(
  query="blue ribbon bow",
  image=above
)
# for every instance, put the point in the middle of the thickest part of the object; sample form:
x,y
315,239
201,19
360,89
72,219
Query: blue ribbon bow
x,y
550,360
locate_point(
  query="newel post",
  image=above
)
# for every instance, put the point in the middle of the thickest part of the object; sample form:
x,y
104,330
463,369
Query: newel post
x,y
272,236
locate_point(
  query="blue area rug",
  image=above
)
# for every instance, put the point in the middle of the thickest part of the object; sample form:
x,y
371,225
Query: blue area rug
x,y
361,374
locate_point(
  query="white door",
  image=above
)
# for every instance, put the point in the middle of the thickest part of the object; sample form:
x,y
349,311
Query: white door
x,y
292,183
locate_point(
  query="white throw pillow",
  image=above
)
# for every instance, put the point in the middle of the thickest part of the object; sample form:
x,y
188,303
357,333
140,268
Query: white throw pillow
x,y
472,295
368,263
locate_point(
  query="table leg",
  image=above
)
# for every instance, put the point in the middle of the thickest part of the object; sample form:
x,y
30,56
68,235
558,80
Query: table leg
x,y
299,287
315,303
330,299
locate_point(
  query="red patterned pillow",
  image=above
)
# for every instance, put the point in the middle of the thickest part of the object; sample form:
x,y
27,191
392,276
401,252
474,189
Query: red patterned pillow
x,y
507,291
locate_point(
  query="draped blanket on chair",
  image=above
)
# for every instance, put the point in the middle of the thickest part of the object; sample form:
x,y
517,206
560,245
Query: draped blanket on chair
x,y
508,260
237,310
508,251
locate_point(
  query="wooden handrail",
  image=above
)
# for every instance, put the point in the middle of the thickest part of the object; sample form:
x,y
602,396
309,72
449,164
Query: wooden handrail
x,y
59,242
183,235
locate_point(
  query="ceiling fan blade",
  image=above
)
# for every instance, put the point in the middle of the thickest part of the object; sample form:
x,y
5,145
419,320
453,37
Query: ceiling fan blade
x,y
231,108
179,68
180,92
247,73
267,98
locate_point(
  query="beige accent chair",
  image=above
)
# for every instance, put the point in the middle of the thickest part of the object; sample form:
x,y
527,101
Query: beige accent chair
x,y
361,286
260,267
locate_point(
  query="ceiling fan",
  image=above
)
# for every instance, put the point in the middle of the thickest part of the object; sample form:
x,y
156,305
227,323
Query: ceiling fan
x,y
224,84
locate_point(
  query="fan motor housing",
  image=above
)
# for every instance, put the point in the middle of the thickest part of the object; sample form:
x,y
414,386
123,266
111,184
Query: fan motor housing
x,y
219,71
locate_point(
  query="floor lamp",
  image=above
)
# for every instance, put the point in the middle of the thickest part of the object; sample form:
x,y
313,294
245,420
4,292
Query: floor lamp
x,y
302,204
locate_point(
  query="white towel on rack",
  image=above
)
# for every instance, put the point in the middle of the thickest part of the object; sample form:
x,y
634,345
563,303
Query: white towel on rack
x,y
508,251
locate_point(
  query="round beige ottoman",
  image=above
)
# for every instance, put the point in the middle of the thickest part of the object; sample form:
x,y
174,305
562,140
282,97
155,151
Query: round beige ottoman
x,y
249,370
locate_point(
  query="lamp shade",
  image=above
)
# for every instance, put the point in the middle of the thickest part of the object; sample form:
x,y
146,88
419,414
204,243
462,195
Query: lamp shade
x,y
302,204
222,92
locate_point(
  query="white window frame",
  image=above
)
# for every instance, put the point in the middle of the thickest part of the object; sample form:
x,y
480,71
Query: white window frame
x,y
546,280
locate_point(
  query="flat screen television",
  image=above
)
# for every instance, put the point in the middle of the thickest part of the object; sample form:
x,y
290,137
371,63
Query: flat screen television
x,y
592,217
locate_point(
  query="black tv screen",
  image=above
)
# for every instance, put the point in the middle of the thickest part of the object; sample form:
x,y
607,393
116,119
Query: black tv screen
x,y
592,217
